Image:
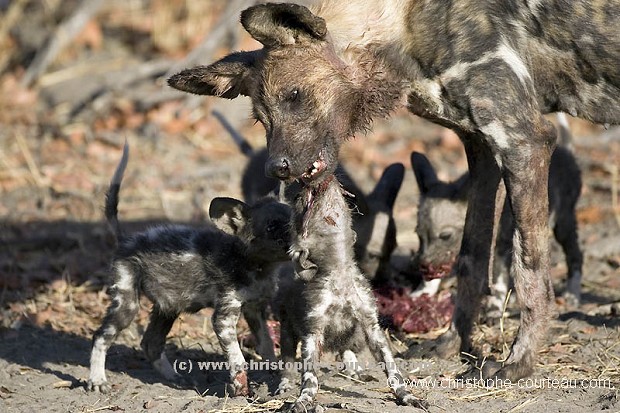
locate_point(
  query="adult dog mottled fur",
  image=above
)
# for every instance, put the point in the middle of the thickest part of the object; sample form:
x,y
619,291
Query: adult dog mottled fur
x,y
487,69
184,269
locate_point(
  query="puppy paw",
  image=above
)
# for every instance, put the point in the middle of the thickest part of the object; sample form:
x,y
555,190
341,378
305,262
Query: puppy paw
x,y
285,386
239,385
409,399
98,386
304,268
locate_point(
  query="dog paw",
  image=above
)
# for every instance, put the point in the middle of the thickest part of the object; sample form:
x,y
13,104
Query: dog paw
x,y
98,387
239,385
304,268
512,372
285,386
446,346
182,382
494,373
410,400
304,407
572,300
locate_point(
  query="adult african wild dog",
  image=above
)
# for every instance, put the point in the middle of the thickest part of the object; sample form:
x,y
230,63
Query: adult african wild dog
x,y
486,69
184,269
441,217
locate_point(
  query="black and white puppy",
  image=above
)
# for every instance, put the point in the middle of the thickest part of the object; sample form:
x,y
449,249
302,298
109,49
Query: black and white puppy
x,y
330,307
183,269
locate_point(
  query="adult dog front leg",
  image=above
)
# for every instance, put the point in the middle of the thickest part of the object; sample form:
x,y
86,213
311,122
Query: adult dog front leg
x,y
475,257
526,176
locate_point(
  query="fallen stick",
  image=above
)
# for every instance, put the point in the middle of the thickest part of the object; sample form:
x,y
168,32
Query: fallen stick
x,y
13,14
65,33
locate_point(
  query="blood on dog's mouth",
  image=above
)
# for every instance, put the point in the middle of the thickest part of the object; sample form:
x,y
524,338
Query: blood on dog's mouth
x,y
432,272
315,169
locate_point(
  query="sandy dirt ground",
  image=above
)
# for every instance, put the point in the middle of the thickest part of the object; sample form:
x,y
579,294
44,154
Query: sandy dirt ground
x,y
60,140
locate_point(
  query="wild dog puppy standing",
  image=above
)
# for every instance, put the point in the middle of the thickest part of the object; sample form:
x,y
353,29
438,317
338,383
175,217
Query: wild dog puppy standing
x,y
441,218
333,308
183,269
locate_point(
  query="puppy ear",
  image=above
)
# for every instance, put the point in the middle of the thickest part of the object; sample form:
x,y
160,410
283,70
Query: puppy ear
x,y
388,186
229,215
424,172
278,24
227,78
461,187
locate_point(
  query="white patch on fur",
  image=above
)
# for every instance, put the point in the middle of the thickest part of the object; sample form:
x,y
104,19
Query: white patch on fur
x,y
460,69
427,287
351,364
508,55
97,362
351,25
118,301
186,257
309,377
495,130
533,6
430,90
125,278
318,311
310,346
379,231
562,120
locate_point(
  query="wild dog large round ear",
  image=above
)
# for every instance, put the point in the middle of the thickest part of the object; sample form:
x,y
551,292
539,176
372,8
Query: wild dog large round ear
x,y
425,174
385,192
278,24
227,78
228,214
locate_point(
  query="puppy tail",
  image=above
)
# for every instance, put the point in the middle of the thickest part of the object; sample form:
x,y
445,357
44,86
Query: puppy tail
x,y
242,143
111,196
565,136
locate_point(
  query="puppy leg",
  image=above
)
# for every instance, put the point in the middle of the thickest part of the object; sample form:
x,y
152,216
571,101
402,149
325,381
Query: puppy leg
x,y
380,350
119,315
309,379
314,324
288,350
501,267
352,366
565,232
256,317
225,317
154,341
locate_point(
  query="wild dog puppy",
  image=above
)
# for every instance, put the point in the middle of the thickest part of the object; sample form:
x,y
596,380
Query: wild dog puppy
x,y
373,220
183,269
441,219
330,306
489,70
